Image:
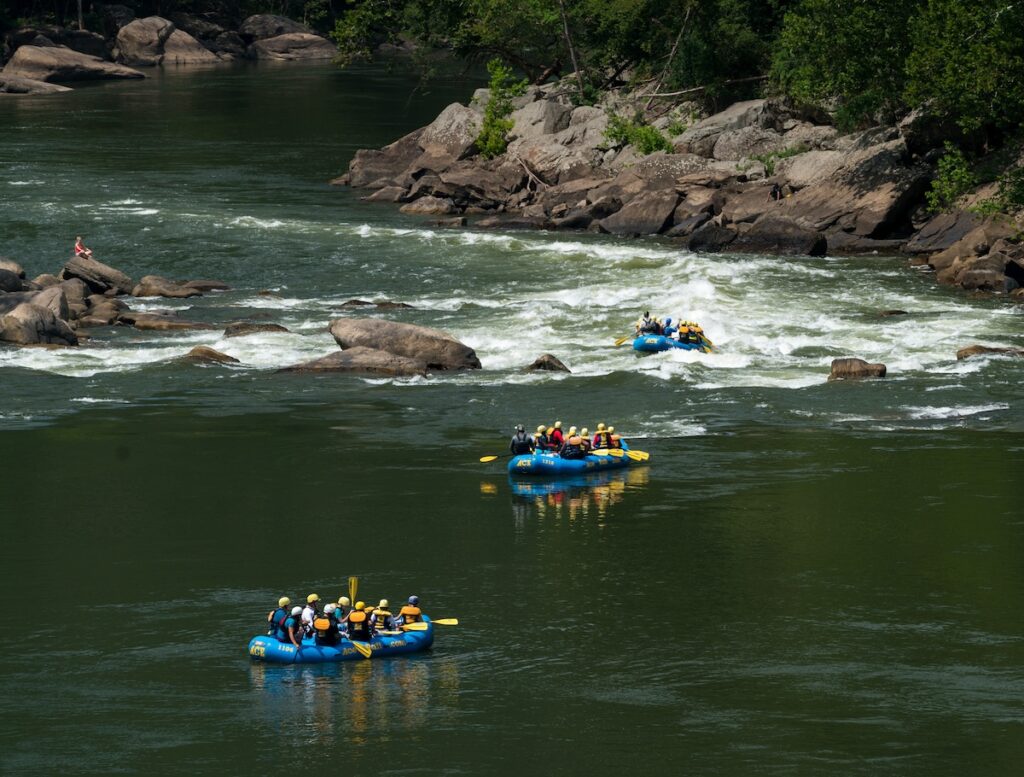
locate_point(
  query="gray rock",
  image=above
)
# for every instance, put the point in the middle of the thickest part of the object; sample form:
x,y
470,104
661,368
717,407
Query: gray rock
x,y
10,281
429,206
76,290
197,26
711,238
18,85
452,133
97,276
61,64
984,350
157,286
647,214
439,350
386,165
543,117
12,266
855,369
363,361
387,194
29,324
548,363
808,168
242,328
733,145
688,225
202,354
158,322
265,25
205,285
54,300
155,41
573,153
781,236
46,280
943,231
701,138
293,46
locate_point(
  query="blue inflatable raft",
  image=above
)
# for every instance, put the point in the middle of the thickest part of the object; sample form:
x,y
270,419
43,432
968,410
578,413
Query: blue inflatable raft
x,y
269,649
657,343
552,464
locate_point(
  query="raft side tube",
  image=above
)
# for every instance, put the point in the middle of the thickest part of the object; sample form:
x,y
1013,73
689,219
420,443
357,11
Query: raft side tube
x,y
270,650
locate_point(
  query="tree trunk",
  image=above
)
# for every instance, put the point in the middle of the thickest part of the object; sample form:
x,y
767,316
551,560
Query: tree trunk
x,y
81,22
572,49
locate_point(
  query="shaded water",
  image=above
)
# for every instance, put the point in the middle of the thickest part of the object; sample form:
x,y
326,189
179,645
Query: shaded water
x,y
810,578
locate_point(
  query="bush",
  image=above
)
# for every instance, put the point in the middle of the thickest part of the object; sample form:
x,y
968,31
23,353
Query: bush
x,y
769,159
955,178
493,138
1009,195
643,137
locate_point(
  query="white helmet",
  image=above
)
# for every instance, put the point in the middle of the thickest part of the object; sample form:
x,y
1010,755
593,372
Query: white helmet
x,y
296,611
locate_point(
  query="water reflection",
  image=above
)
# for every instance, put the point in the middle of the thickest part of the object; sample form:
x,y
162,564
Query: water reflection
x,y
574,497
356,700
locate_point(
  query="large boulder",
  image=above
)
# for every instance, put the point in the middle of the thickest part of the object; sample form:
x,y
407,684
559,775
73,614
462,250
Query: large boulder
x,y
543,117
203,354
30,324
54,300
62,64
243,328
158,322
701,138
157,286
808,168
943,231
776,235
97,276
453,133
547,363
573,153
155,41
855,369
293,46
647,214
437,349
985,350
747,142
711,238
427,206
18,85
384,167
10,281
12,266
267,25
363,361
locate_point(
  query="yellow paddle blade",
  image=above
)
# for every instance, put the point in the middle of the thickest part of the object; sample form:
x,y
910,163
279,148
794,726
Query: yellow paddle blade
x,y
446,621
415,626
353,586
616,453
621,340
485,459
364,650
601,452
638,455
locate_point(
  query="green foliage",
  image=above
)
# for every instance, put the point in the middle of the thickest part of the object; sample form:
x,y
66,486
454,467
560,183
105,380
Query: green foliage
x,y
643,137
967,61
769,159
493,138
849,51
954,179
1009,195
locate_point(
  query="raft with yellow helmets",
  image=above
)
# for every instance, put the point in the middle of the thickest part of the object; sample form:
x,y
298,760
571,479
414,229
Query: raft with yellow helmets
x,y
271,650
690,336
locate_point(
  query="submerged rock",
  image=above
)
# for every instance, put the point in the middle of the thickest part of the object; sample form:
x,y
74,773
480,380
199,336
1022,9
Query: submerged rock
x,y
158,322
293,46
854,369
204,355
241,328
52,63
983,350
158,286
547,362
360,360
437,349
11,84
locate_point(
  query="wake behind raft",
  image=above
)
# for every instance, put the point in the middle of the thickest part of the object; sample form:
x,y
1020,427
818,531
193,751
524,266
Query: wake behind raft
x,y
658,343
269,649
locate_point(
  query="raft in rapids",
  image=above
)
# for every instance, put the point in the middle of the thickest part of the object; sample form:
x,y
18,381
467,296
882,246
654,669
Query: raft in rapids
x,y
657,343
552,464
269,649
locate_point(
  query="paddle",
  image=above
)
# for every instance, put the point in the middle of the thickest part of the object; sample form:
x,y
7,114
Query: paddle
x,y
421,626
616,453
623,339
446,621
486,459
353,585
638,455
364,649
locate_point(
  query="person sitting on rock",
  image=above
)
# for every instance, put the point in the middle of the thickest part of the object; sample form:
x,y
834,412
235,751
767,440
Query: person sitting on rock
x,y
81,250
522,443
776,193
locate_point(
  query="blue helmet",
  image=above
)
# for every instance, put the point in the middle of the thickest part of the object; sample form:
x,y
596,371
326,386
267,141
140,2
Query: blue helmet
x,y
668,321
414,600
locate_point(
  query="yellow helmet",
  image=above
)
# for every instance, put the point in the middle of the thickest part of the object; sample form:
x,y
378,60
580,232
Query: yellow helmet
x,y
312,598
540,429
284,601
360,605
585,432
572,430
344,601
600,427
558,424
550,429
611,429
383,603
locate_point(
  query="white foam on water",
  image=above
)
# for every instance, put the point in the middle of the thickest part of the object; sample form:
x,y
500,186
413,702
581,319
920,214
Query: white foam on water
x,y
940,413
26,183
258,223
99,401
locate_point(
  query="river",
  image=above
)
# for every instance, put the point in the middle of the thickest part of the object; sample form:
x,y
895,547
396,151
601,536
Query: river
x,y
809,578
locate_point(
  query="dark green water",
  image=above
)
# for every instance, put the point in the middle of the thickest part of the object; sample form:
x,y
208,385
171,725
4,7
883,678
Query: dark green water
x,y
809,579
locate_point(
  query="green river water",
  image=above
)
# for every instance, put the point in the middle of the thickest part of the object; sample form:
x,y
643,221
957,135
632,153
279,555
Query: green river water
x,y
809,578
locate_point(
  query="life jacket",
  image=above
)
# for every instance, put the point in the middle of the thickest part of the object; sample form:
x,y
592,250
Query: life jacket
x,y
277,619
602,440
358,626
294,622
573,448
616,441
382,620
557,438
542,442
410,614
521,443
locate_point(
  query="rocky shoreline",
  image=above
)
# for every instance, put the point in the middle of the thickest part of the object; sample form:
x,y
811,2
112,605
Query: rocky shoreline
x,y
856,193
40,59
